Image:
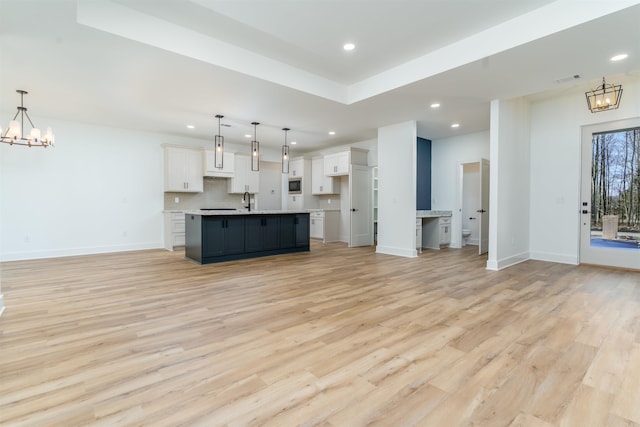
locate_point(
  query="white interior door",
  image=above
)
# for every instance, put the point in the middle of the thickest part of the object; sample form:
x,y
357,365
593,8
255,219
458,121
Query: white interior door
x,y
360,215
483,212
609,206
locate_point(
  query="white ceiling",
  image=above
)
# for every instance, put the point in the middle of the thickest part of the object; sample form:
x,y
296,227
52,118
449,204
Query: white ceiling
x,y
159,65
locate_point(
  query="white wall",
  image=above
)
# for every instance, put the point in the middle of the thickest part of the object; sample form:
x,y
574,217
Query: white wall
x,y
446,156
509,183
99,190
555,168
397,189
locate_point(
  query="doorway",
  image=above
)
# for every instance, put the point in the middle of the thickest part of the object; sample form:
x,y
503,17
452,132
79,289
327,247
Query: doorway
x,y
473,204
610,194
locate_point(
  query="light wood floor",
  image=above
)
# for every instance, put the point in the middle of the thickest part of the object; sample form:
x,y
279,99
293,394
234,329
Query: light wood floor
x,y
334,337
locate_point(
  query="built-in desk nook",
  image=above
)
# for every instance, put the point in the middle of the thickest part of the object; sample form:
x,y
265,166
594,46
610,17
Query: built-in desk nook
x,y
433,229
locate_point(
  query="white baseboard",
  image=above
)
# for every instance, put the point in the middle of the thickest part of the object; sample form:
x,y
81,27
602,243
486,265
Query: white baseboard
x,y
1,304
553,257
388,250
507,262
57,253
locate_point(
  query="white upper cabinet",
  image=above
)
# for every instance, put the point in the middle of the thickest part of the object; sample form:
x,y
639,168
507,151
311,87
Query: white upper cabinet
x,y
244,179
320,183
336,164
296,168
183,170
228,163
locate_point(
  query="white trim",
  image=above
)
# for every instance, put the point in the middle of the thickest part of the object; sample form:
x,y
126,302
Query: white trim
x,y
554,257
508,262
26,255
387,250
1,304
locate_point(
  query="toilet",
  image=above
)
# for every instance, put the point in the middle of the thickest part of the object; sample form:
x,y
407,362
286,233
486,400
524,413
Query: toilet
x,y
465,235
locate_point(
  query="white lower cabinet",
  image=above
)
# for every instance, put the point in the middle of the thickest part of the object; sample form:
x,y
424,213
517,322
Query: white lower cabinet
x,y
445,231
436,232
174,230
317,228
324,225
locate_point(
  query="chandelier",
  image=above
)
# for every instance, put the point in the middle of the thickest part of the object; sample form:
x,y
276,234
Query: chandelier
x,y
604,97
15,133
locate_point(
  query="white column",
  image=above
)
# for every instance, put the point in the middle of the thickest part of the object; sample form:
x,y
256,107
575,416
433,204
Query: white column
x,y
510,183
397,189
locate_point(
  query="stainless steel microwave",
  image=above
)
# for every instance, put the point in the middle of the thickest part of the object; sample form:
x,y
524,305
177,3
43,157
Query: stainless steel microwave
x,y
295,186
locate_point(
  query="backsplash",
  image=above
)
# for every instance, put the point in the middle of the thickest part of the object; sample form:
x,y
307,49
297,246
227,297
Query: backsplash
x,y
329,201
214,196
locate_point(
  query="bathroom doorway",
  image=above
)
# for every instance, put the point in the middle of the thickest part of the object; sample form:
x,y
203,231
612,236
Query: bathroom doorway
x,y
473,205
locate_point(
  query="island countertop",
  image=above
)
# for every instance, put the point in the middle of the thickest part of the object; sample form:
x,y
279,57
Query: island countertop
x,y
241,212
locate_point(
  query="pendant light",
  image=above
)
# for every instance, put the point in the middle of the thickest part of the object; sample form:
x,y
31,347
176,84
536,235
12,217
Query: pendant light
x,y
218,155
16,133
285,152
604,97
255,150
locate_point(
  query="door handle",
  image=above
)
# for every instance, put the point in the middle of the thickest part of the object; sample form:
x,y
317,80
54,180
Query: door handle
x,y
481,210
354,210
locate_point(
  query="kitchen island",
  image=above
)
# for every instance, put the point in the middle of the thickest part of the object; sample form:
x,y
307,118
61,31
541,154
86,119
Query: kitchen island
x,y
216,236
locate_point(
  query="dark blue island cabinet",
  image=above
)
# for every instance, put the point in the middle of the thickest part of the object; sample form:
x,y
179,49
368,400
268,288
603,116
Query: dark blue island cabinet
x,y
218,237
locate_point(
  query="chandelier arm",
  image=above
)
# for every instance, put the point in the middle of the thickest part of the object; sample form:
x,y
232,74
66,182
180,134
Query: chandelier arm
x,y
28,118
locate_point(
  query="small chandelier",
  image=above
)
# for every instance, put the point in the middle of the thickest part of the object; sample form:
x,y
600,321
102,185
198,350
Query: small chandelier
x,y
255,150
218,154
14,133
604,97
285,152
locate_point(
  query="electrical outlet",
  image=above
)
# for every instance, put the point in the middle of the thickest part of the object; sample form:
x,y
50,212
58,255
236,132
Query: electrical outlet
x,y
177,200
328,201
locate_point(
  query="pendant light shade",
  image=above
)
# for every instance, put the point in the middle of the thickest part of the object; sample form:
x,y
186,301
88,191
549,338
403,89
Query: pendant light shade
x,y
218,154
285,153
255,149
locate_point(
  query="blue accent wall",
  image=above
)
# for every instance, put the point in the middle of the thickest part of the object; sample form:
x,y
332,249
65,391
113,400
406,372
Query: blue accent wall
x,y
423,175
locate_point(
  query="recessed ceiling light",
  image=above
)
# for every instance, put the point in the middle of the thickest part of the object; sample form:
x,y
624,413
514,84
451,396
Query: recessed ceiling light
x,y
332,133
349,46
190,127
619,57
435,105
293,143
455,125
246,135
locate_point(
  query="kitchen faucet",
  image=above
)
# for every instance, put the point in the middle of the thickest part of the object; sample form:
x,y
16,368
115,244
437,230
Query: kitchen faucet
x,y
247,197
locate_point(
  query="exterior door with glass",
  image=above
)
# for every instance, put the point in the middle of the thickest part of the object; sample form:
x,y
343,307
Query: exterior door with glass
x,y
610,194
